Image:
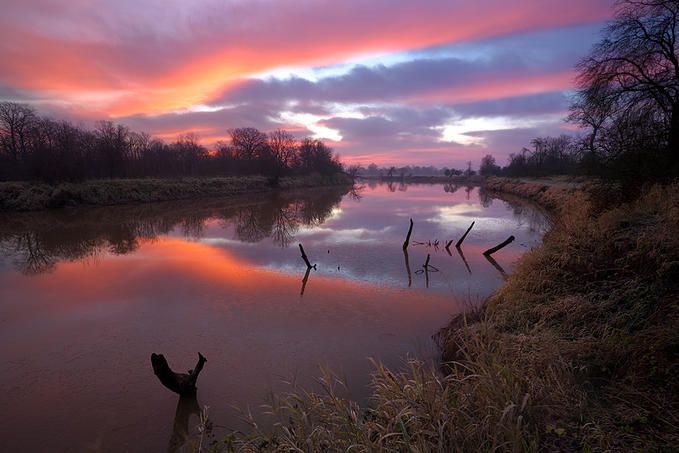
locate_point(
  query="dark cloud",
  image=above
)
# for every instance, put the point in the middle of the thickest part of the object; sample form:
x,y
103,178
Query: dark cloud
x,y
552,102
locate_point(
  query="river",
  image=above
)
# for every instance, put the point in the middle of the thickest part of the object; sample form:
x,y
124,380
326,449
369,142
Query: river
x,y
86,295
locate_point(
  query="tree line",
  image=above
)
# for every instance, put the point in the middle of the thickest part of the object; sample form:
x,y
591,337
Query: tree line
x,y
34,147
409,170
627,103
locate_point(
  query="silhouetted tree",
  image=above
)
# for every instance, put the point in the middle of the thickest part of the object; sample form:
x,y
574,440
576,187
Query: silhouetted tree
x,y
283,148
247,142
488,166
33,147
633,74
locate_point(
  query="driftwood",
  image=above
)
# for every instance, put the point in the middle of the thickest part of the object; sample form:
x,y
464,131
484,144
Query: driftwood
x,y
182,383
464,236
410,231
448,244
305,258
505,243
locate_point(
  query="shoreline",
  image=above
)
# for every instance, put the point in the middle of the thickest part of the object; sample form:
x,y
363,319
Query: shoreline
x,y
576,351
36,196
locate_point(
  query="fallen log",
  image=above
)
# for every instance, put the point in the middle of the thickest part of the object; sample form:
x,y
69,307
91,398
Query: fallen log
x,y
464,236
506,242
182,383
410,231
305,258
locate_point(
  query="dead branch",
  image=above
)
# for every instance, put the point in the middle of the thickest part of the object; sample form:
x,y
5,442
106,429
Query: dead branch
x,y
305,258
181,383
410,231
506,242
459,243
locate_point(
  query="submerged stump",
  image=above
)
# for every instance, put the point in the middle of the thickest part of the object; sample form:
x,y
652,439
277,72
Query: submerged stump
x,y
182,383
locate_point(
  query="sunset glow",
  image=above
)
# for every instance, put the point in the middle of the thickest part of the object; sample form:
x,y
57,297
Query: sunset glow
x,y
384,81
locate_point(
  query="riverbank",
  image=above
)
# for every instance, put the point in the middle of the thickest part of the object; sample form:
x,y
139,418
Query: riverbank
x,y
32,196
578,351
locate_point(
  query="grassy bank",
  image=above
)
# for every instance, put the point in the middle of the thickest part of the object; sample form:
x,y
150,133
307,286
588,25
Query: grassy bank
x,y
28,196
578,351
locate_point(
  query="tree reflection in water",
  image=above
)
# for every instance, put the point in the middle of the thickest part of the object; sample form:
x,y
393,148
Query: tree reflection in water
x,y
36,242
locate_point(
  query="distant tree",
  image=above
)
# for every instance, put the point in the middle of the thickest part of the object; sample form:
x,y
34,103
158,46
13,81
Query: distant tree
x,y
354,170
34,147
488,166
248,142
283,147
469,171
16,122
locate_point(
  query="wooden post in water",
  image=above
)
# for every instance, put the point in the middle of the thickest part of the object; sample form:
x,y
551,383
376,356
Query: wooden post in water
x,y
305,258
410,230
464,236
506,242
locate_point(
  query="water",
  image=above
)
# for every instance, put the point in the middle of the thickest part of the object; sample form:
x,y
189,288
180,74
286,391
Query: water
x,y
87,295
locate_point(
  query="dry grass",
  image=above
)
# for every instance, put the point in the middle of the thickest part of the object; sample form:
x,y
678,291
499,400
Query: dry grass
x,y
578,351
24,196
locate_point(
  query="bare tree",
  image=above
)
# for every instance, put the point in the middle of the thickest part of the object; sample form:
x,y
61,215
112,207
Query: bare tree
x,y
488,166
248,142
283,146
634,72
16,121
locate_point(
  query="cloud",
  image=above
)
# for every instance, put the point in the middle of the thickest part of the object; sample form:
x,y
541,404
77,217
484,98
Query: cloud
x,y
157,55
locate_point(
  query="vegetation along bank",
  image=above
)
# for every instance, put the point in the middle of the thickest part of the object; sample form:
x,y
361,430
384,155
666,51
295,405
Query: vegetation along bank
x,y
578,351
31,196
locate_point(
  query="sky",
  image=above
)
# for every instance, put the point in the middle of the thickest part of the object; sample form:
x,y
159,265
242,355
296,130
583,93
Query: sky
x,y
395,82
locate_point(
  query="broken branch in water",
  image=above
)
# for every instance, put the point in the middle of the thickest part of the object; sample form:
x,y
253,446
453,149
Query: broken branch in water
x,y
305,258
448,245
506,242
459,243
181,383
410,230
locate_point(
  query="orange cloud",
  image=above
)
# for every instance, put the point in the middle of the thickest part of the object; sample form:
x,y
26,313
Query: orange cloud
x,y
128,73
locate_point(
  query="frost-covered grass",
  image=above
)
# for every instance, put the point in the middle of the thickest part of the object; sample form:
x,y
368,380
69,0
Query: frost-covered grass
x,y
578,351
29,196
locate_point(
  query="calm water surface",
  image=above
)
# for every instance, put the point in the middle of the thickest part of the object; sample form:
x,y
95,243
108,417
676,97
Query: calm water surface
x,y
87,295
